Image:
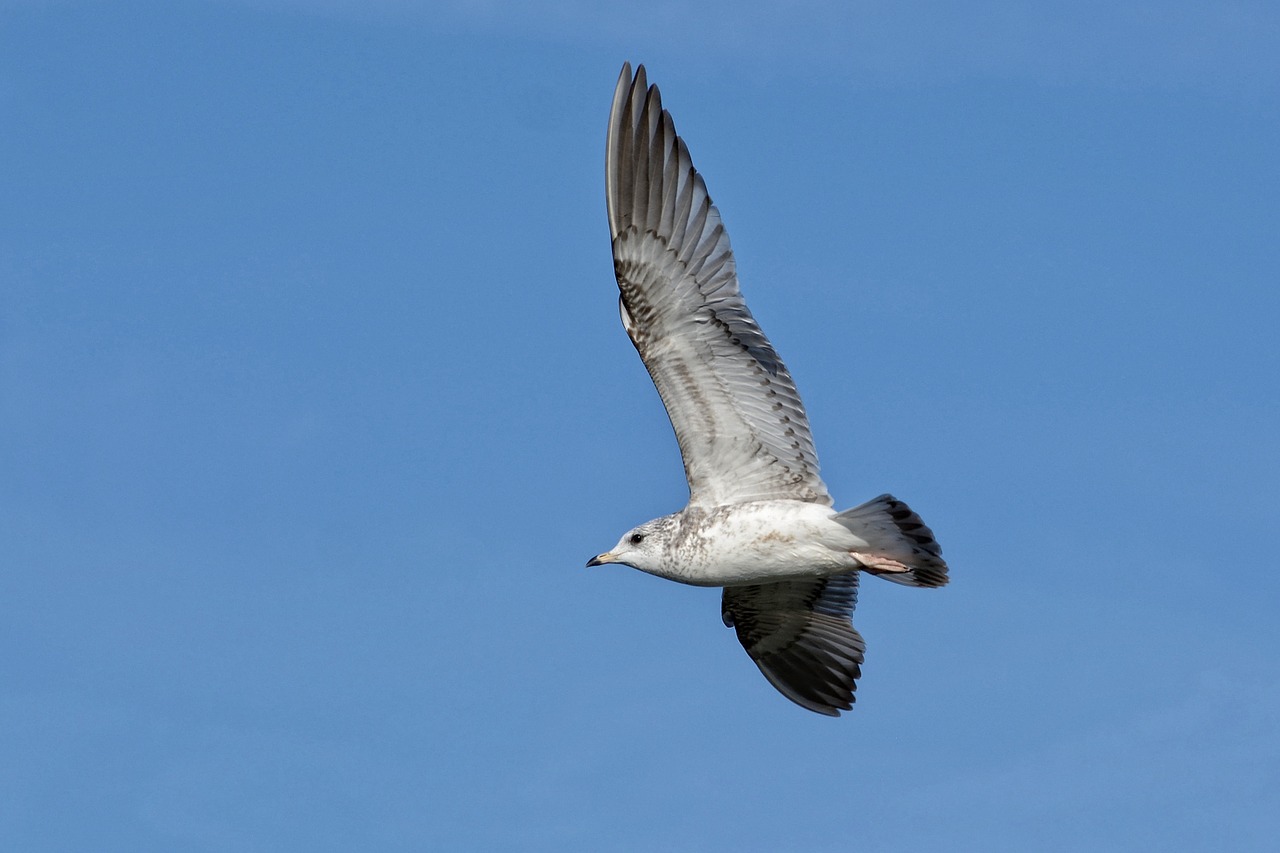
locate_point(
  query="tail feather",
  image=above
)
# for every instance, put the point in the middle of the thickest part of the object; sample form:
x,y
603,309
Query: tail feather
x,y
900,547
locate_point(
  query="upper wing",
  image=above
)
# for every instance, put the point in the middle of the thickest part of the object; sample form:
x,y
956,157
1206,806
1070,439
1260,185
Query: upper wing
x,y
800,635
741,426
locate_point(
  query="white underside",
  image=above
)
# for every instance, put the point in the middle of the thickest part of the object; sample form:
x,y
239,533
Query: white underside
x,y
760,542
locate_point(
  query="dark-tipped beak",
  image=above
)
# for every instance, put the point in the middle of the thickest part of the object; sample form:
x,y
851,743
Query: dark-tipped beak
x,y
600,560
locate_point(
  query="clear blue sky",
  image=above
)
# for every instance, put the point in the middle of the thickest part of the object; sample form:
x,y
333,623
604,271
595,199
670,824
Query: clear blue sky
x,y
315,402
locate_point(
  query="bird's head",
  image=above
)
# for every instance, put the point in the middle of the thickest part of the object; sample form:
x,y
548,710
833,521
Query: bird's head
x,y
640,548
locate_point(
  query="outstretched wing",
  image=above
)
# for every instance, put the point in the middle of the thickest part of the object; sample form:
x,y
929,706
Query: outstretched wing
x,y
741,426
800,635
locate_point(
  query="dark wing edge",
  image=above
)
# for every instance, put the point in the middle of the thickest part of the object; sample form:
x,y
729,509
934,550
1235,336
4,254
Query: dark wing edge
x,y
800,635
742,428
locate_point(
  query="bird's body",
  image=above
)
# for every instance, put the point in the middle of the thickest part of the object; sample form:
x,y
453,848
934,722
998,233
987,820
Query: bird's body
x,y
760,521
753,542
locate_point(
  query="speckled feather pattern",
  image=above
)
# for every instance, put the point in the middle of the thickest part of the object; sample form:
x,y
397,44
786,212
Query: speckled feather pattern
x,y
759,521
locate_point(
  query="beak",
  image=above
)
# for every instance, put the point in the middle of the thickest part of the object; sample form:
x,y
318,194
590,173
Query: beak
x,y
606,557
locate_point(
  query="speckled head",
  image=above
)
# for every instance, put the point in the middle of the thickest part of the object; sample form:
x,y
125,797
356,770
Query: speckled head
x,y
644,547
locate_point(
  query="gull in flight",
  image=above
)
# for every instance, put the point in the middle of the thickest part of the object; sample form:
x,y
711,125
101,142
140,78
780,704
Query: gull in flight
x,y
760,522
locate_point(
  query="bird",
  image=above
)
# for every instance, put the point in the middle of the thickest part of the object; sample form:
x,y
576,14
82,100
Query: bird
x,y
759,522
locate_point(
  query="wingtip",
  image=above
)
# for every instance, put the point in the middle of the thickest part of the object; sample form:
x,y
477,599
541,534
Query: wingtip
x,y
812,697
618,140
629,80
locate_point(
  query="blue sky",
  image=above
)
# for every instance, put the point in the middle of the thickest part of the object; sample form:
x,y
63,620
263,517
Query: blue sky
x,y
315,402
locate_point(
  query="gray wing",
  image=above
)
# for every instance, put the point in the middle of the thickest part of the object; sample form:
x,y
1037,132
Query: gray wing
x,y
742,429
800,635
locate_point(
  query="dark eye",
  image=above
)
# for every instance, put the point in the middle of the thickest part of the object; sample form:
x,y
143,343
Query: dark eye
x,y
637,538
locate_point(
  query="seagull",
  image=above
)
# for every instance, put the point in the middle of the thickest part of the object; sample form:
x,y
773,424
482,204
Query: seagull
x,y
759,521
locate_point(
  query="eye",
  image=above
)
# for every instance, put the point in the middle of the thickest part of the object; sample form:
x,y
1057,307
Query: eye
x,y
637,538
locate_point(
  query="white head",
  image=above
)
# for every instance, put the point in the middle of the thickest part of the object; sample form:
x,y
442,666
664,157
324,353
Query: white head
x,y
642,547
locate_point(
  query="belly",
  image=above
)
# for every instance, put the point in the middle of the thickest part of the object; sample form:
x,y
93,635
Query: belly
x,y
762,542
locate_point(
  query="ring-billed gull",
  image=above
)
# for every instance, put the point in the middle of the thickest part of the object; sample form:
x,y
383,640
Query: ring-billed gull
x,y
759,521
